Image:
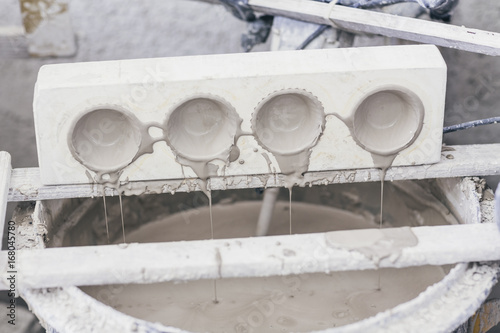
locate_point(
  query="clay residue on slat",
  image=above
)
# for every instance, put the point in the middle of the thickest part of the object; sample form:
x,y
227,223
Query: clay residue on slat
x,y
375,244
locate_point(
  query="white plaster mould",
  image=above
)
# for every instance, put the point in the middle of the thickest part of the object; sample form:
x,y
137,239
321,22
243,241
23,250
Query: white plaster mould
x,y
337,80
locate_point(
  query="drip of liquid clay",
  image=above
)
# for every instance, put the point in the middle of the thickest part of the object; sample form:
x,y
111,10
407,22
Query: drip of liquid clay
x,y
199,131
106,141
215,300
383,163
121,215
290,208
106,216
268,161
382,174
385,123
202,130
211,217
288,123
301,303
293,167
382,179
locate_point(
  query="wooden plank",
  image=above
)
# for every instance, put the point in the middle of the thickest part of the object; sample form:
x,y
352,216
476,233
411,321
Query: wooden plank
x,y
421,31
5,175
302,10
256,257
456,161
360,20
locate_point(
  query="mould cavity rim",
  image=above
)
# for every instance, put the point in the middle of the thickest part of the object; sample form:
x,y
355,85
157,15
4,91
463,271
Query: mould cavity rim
x,y
288,121
202,128
105,139
387,120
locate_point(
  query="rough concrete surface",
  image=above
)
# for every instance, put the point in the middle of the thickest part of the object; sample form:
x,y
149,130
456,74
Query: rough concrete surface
x,y
115,29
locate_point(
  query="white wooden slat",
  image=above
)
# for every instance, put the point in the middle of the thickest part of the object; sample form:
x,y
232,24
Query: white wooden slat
x,y
456,161
421,31
5,175
256,257
359,20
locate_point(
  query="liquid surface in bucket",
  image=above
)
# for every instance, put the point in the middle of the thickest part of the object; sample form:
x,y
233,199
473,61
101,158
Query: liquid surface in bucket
x,y
300,303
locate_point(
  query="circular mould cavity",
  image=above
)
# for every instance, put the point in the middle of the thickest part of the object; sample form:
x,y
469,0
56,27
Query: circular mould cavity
x,y
288,122
202,128
388,121
105,139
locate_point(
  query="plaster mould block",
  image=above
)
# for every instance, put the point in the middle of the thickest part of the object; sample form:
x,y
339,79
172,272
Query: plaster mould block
x,y
144,117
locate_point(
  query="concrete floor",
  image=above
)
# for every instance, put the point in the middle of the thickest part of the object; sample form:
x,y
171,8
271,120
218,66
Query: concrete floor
x,y
156,28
